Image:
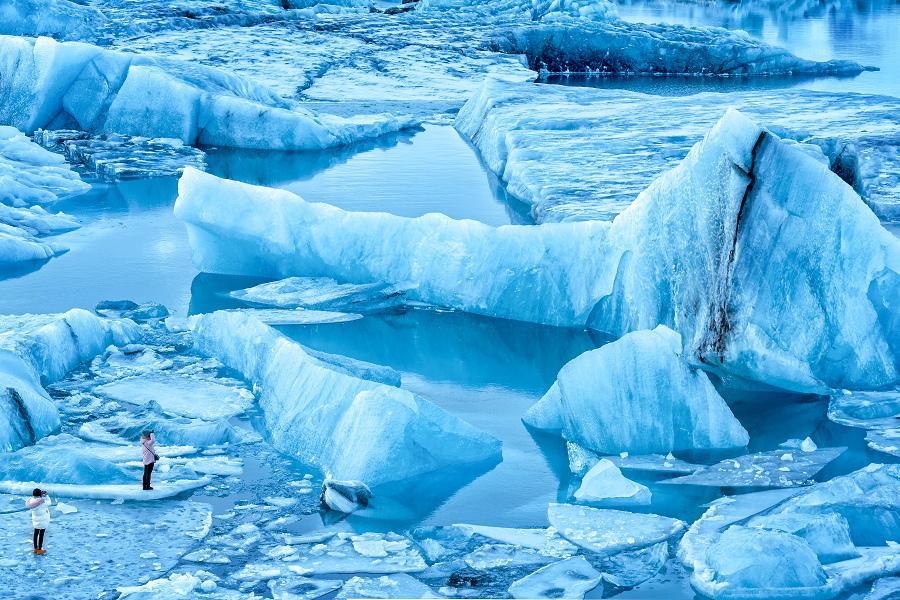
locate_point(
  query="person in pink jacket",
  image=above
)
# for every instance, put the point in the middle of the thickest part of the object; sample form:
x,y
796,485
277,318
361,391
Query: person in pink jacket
x,y
39,505
149,455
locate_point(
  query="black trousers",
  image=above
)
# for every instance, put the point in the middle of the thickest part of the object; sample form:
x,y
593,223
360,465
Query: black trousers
x,y
38,539
148,469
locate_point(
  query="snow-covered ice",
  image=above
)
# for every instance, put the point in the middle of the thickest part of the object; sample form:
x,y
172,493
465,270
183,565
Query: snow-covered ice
x,y
607,531
637,394
330,419
774,468
570,578
605,485
182,396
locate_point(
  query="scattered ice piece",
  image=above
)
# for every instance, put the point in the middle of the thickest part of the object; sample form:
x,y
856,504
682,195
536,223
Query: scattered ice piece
x,y
604,484
345,496
808,445
654,463
570,578
607,531
126,309
183,396
207,555
493,556
386,586
337,554
632,568
762,469
302,588
652,399
876,412
66,509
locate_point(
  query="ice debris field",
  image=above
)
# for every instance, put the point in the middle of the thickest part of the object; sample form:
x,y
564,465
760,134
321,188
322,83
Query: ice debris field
x,y
450,299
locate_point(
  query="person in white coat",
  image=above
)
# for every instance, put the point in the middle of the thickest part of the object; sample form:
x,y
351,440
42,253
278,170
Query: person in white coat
x,y
39,504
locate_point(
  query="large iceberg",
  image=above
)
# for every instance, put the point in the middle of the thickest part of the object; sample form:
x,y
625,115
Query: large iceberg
x,y
638,395
351,428
52,85
40,349
726,249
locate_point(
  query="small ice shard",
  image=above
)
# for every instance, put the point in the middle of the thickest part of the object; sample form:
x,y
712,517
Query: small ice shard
x,y
765,562
604,484
345,496
828,534
607,531
570,578
338,554
190,397
639,394
762,469
386,586
324,293
353,428
808,445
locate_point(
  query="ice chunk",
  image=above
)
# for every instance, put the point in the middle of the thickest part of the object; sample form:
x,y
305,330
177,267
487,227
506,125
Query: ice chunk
x,y
828,534
60,19
299,316
604,484
723,297
630,569
179,395
885,589
324,293
400,585
345,496
877,412
607,531
26,411
638,394
494,556
60,459
302,588
765,561
352,428
763,469
570,578
100,532
126,309
339,554
50,84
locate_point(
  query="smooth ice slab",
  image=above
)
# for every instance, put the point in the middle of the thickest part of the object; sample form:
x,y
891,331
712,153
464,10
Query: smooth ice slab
x,y
605,485
828,534
876,412
73,85
180,395
570,578
607,531
352,428
324,293
769,297
775,468
637,394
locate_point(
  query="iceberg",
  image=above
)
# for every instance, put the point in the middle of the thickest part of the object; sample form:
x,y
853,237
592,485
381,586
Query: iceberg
x,y
876,412
607,531
769,296
576,153
570,578
352,428
776,468
605,485
637,394
73,85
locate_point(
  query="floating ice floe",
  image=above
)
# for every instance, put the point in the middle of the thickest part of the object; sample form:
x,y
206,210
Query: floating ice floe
x,y
40,349
575,153
52,85
352,428
99,532
324,293
797,542
607,531
605,485
60,19
775,468
570,578
876,412
637,394
709,270
302,588
581,460
400,585
29,178
179,395
127,309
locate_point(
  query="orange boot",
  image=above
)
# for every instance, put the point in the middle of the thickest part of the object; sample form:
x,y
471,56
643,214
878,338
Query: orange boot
x,y
40,552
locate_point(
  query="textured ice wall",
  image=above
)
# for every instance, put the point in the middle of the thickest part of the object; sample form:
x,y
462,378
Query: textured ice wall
x,y
766,262
71,85
351,428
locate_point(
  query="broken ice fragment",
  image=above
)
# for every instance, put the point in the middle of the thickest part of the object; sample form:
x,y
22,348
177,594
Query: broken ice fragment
x,y
607,531
604,484
762,469
570,578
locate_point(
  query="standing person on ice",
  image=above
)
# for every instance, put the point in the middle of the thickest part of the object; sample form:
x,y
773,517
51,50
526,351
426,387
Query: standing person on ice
x,y
39,504
150,456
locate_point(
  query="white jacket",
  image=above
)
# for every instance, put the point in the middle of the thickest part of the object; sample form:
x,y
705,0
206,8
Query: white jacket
x,y
40,511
